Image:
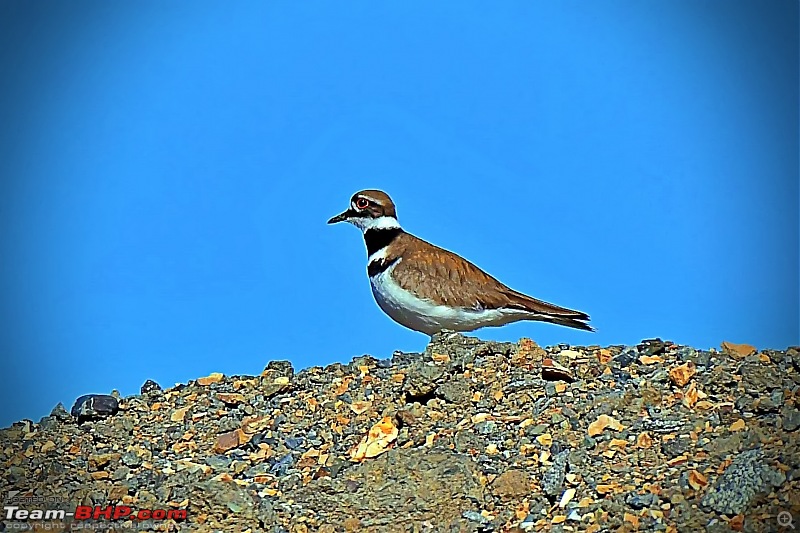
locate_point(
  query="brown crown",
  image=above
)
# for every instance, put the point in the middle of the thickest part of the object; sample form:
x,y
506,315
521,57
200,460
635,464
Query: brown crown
x,y
379,203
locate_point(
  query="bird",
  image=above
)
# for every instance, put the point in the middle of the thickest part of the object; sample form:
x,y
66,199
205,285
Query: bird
x,y
429,289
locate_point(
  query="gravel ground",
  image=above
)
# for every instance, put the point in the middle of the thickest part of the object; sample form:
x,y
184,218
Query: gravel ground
x,y
467,436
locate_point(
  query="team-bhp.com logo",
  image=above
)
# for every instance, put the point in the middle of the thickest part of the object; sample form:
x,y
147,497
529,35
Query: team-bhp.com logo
x,y
87,512
13,510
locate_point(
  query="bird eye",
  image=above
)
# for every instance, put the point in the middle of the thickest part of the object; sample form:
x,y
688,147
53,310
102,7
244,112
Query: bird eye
x,y
362,203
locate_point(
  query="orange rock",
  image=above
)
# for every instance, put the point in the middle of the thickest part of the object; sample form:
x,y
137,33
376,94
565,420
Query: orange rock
x,y
254,424
226,441
680,375
738,425
603,422
737,351
360,407
231,398
440,357
211,378
650,359
605,488
690,396
644,440
697,480
378,440
178,414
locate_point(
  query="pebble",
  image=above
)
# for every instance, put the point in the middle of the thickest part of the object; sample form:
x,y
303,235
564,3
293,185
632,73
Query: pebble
x,y
218,462
294,442
474,516
640,501
280,467
486,427
131,459
553,478
791,419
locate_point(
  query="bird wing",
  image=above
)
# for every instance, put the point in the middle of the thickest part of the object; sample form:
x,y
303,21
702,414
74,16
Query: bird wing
x,y
470,287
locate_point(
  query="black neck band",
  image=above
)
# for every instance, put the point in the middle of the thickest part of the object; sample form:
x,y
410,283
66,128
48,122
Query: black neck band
x,y
377,239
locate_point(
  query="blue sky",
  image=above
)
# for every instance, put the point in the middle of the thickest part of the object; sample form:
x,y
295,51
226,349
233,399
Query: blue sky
x,y
168,169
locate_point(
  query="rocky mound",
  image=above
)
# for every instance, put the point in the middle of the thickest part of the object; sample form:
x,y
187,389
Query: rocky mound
x,y
467,436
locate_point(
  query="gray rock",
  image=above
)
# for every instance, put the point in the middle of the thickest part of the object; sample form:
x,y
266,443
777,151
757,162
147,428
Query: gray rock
x,y
48,422
535,431
454,392
487,427
131,459
659,376
228,496
758,376
421,381
280,467
384,363
640,501
120,473
219,462
294,442
523,384
627,357
553,478
791,419
465,440
675,447
741,482
362,360
60,412
474,516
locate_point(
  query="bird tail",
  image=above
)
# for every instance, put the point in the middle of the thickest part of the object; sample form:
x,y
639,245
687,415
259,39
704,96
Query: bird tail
x,y
548,312
577,323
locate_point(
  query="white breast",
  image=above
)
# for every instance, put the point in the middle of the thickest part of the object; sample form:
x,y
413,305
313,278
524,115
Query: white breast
x,y
428,317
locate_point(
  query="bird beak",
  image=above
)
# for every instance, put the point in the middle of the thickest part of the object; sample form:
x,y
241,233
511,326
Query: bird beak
x,y
341,217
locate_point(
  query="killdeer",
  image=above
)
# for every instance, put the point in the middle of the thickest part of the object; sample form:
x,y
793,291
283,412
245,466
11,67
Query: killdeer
x,y
429,289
